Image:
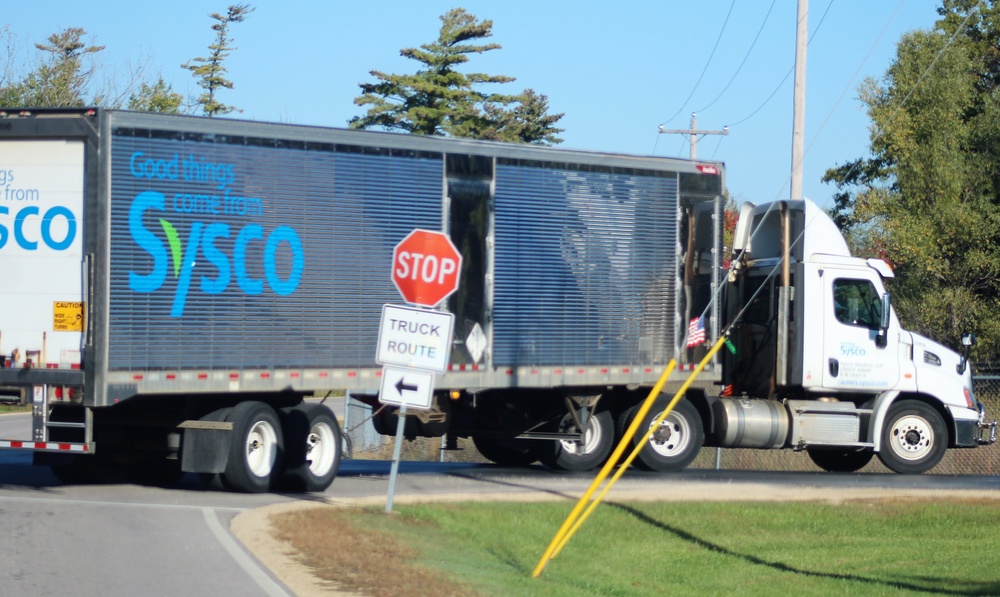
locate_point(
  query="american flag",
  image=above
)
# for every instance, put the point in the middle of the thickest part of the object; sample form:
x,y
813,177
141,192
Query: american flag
x,y
696,332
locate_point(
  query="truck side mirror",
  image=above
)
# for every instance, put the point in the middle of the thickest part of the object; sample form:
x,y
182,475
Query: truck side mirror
x,y
883,323
968,341
881,340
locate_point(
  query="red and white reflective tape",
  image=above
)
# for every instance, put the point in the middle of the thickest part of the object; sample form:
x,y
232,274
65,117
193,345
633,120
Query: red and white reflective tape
x,y
46,446
692,367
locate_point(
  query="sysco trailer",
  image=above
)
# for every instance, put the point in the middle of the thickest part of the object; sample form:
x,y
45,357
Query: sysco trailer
x,y
174,287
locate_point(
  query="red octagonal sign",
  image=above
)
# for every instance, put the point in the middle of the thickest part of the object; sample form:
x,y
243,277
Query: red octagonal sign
x,y
425,267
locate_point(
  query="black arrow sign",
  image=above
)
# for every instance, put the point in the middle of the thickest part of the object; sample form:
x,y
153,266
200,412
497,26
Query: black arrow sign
x,y
400,386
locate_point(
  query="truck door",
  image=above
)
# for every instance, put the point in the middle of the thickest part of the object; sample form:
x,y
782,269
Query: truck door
x,y
470,186
854,356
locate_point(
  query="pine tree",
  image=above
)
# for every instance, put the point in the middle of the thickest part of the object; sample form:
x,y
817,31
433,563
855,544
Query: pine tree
x,y
440,100
61,78
211,71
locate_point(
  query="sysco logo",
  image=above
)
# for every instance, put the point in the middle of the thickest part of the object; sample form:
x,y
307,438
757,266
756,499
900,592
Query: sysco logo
x,y
203,245
59,239
849,349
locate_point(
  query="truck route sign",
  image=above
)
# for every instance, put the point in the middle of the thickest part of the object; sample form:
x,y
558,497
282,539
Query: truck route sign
x,y
414,338
425,267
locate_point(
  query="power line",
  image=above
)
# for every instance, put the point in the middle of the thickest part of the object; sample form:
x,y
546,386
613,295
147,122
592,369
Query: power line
x,y
744,61
920,79
769,97
788,74
707,63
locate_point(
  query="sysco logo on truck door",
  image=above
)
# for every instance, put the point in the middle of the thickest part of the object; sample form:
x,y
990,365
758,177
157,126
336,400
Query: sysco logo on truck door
x,y
210,238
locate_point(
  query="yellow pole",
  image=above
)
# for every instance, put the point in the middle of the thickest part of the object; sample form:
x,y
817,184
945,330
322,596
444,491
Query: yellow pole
x,y
548,555
639,445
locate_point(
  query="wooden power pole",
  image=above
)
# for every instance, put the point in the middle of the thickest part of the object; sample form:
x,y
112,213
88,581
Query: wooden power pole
x,y
799,99
694,132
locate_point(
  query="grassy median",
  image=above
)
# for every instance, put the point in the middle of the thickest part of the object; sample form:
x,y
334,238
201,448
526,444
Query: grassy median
x,y
894,547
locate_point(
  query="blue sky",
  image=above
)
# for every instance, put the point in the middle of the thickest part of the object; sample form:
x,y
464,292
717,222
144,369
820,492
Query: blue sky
x,y
617,70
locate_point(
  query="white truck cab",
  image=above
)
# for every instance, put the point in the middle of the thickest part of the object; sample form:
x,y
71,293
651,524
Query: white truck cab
x,y
814,330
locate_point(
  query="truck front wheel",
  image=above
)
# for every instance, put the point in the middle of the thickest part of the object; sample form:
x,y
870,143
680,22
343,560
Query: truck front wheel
x,y
255,452
674,443
914,438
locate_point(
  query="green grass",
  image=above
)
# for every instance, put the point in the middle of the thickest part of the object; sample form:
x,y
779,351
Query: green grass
x,y
856,548
14,408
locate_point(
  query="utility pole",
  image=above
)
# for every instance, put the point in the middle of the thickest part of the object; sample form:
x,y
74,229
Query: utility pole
x,y
799,98
694,132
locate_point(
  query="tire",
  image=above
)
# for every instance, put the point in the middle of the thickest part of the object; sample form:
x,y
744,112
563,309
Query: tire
x,y
677,441
505,451
914,438
312,447
256,448
566,455
841,461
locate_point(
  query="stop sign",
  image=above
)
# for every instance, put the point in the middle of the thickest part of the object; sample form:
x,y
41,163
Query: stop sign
x,y
425,267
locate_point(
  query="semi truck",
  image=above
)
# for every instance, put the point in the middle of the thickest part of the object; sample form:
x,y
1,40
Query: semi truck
x,y
174,288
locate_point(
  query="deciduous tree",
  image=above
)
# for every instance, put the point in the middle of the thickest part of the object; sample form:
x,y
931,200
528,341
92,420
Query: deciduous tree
x,y
928,198
158,97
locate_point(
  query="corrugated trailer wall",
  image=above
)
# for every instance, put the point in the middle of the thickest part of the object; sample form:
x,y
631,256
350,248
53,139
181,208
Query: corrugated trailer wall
x,y
230,252
244,249
585,265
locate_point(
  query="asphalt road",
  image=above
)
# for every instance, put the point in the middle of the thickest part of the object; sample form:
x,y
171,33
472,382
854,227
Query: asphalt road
x,y
107,540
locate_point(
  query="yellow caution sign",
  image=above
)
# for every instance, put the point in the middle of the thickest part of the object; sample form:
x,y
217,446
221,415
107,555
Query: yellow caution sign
x,y
67,316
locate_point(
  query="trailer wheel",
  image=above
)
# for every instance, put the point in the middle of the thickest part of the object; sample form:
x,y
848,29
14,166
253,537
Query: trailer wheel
x,y
914,438
840,461
312,447
676,441
505,451
255,452
567,455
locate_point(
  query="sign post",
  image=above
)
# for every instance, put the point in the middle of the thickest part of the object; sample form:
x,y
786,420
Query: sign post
x,y
415,343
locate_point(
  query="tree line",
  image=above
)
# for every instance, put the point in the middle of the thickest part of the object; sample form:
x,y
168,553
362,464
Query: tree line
x,y
438,99
927,198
